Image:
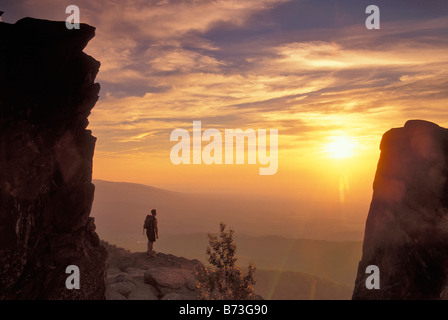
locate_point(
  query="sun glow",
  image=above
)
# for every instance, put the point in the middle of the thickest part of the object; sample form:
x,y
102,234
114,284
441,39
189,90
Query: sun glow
x,y
340,147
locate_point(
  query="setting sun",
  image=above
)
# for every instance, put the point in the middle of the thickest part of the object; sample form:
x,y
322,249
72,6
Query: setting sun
x,y
340,147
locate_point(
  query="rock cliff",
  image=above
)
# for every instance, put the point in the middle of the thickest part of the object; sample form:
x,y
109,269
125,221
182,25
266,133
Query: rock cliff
x,y
406,233
135,276
47,90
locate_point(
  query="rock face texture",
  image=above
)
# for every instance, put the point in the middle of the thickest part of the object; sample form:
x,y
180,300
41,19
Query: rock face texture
x,y
406,232
47,90
135,276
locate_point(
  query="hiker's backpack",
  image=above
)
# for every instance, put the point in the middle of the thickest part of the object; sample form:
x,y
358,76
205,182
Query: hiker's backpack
x,y
148,222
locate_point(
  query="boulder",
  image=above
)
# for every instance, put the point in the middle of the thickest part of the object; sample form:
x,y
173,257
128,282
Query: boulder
x,y
406,232
163,277
47,90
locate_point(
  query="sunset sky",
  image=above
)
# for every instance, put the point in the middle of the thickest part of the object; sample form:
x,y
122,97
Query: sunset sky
x,y
310,69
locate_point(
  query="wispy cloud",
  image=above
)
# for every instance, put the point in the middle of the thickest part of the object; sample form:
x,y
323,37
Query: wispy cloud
x,y
309,81
308,68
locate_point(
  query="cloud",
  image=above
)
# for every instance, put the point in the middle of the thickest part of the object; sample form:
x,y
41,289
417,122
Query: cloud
x,y
323,87
164,19
309,69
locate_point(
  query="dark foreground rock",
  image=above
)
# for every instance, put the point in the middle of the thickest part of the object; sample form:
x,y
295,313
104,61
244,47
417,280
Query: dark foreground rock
x,y
406,232
47,90
135,276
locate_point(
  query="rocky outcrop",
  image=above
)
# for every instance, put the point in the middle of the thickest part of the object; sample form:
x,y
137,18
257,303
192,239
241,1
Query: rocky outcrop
x,y
135,276
406,232
47,90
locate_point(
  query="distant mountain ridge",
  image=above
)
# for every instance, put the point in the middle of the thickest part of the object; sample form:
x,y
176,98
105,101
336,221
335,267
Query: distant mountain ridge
x,y
333,260
120,207
288,285
184,221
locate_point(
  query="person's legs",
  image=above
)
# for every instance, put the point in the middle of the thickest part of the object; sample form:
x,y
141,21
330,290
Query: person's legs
x,y
150,246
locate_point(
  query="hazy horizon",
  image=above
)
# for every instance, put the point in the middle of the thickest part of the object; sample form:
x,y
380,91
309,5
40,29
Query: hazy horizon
x,y
119,209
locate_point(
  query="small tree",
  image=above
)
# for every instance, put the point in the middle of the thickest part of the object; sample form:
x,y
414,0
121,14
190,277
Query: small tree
x,y
224,280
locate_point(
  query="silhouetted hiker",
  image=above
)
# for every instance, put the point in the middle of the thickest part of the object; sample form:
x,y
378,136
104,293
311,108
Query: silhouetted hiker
x,y
152,232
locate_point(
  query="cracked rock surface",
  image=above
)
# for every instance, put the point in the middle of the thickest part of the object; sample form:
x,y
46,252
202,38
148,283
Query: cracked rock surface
x,y
135,276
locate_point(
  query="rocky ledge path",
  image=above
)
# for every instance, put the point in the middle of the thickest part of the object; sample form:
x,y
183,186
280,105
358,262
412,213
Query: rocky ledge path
x,y
136,276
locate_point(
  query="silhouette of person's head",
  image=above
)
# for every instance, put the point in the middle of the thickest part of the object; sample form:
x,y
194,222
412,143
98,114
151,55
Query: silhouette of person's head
x,y
153,212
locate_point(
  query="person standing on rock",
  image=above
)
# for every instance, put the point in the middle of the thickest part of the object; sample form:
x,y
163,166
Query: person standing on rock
x,y
152,232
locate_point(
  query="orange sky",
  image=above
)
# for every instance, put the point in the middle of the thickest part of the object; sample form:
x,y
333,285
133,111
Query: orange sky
x,y
344,81
309,69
